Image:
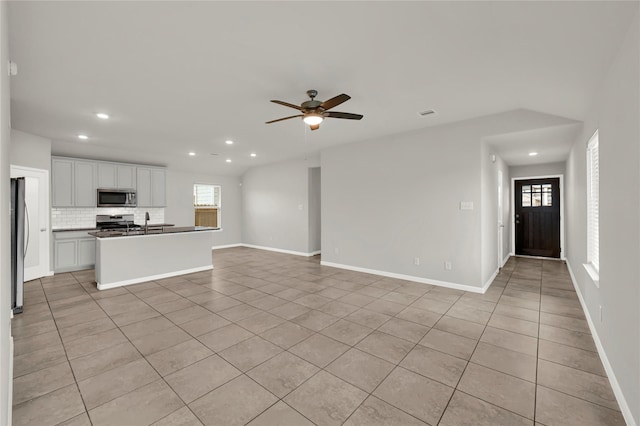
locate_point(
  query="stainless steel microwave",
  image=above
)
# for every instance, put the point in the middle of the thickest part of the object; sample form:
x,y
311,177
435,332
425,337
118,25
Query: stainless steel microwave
x,y
108,197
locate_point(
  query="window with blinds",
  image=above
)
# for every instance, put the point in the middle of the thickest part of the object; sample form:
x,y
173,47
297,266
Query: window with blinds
x,y
206,195
593,201
206,200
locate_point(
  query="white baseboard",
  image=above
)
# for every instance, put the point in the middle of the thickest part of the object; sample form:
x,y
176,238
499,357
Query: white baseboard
x,y
493,276
226,246
10,384
624,406
506,259
297,253
315,253
421,280
153,277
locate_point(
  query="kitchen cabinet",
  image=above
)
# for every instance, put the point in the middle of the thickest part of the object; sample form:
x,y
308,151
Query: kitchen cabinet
x,y
85,183
151,187
73,251
113,175
126,176
62,182
74,181
158,188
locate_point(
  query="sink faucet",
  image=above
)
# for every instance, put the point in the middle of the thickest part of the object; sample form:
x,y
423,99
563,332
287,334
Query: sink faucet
x,y
146,221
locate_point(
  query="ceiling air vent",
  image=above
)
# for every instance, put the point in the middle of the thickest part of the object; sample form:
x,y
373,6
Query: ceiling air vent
x,y
427,112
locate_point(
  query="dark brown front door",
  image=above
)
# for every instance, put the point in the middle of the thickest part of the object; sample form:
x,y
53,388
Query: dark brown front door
x,y
538,217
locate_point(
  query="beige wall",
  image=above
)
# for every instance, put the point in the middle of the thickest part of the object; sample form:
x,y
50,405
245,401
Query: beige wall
x,y
5,231
30,150
615,113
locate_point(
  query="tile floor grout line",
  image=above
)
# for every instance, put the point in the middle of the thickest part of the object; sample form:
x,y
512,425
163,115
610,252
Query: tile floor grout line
x,y
397,365
146,360
535,393
455,388
308,268
75,380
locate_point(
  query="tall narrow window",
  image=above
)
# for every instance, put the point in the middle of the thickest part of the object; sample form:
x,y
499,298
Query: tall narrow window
x,y
206,201
593,203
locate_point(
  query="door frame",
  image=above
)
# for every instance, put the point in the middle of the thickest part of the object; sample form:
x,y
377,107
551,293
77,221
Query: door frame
x,y
45,249
512,210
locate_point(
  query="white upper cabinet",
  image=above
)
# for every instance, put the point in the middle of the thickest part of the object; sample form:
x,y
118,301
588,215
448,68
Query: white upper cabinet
x,y
106,175
126,176
85,183
113,175
158,187
151,187
144,187
62,182
74,181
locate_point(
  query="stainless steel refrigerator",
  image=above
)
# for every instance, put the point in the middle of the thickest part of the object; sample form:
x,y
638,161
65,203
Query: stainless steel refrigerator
x,y
18,214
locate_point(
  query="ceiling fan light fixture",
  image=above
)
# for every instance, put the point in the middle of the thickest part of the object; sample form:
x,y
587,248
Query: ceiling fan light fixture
x,y
313,119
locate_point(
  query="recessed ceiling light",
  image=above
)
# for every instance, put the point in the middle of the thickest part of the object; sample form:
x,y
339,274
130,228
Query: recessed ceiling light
x,y
228,160
102,115
533,154
83,137
253,154
229,142
192,153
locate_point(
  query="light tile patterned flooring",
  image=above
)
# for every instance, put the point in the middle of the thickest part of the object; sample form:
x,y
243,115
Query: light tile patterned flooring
x,y
273,339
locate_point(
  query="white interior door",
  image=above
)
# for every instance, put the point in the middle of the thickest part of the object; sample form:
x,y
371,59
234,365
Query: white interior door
x,y
36,259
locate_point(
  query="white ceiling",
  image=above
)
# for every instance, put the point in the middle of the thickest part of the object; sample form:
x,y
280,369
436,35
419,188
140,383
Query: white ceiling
x,y
185,76
552,144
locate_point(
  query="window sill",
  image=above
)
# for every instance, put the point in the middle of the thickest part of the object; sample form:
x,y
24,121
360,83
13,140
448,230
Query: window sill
x,y
593,274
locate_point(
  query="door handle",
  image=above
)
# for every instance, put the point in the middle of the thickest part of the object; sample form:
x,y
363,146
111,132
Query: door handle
x,y
43,229
517,222
28,228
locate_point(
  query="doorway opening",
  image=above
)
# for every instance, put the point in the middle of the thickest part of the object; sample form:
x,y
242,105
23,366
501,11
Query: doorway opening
x,y
315,207
538,228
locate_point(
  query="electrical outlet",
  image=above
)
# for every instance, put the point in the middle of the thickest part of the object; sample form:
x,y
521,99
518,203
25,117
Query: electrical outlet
x,y
416,261
447,265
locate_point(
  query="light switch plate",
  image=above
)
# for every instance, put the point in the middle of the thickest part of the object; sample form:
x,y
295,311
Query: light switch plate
x,y
466,205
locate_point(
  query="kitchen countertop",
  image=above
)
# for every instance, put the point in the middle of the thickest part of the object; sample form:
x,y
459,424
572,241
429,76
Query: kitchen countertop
x,y
93,228
138,233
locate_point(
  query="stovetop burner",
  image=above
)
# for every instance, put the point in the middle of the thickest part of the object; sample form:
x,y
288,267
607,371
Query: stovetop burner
x,y
107,222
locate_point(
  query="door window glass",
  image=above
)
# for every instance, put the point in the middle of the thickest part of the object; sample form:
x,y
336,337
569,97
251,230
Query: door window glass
x,y
536,195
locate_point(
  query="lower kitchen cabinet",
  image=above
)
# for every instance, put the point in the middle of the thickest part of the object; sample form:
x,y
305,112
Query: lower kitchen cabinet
x,y
73,251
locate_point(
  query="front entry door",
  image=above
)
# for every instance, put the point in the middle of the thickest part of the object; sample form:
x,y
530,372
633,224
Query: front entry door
x,y
538,217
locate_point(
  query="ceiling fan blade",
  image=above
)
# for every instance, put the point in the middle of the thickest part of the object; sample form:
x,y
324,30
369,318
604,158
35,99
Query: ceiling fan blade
x,y
335,101
314,127
285,118
347,115
287,104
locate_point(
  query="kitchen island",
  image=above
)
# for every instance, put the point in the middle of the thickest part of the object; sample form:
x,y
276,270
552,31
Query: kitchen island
x,y
124,258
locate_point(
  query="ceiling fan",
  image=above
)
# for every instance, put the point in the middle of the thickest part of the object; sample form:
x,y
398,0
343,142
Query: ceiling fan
x,y
313,112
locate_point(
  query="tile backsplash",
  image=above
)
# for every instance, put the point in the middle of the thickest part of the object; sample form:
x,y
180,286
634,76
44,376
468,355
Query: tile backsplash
x,y
63,218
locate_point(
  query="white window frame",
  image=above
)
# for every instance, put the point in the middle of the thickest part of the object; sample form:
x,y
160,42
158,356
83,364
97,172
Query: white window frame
x,y
593,209
219,206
